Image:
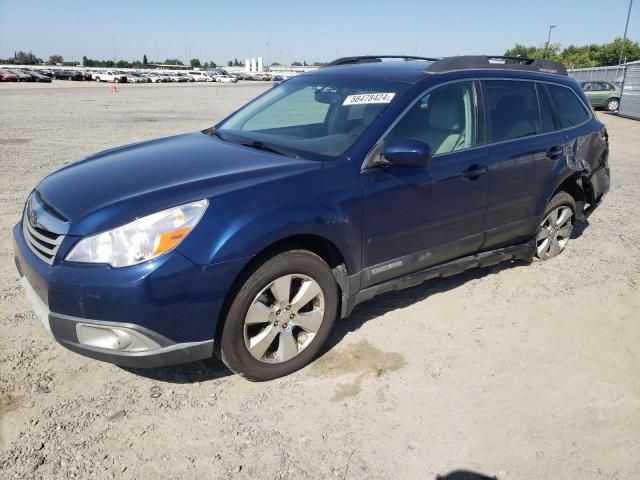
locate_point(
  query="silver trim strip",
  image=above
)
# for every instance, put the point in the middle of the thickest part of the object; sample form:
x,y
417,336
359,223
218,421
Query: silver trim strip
x,y
37,305
55,242
31,238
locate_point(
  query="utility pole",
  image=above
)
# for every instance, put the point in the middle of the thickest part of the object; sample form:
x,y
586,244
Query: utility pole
x,y
113,39
624,37
546,47
186,59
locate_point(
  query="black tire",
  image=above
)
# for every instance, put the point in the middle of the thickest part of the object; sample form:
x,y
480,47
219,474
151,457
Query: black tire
x,y
560,199
233,350
612,104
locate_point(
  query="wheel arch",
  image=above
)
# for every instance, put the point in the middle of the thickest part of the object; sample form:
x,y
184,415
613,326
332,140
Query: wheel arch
x,y
321,246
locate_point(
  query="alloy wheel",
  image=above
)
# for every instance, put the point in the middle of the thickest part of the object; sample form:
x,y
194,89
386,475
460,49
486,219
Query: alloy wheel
x,y
284,318
554,233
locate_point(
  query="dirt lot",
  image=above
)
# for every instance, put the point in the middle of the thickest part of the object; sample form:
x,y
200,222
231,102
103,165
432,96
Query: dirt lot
x,y
516,371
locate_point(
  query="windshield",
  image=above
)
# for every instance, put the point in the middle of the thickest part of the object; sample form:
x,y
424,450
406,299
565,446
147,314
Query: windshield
x,y
311,116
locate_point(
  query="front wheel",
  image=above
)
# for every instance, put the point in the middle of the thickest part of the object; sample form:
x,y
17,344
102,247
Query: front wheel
x,y
556,227
281,316
613,104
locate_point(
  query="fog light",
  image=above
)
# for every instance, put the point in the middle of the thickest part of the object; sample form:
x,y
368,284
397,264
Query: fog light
x,y
114,338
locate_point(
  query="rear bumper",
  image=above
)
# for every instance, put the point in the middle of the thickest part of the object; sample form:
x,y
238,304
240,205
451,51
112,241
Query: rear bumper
x,y
596,186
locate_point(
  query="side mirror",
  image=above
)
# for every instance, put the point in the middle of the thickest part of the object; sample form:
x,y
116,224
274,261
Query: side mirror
x,y
407,152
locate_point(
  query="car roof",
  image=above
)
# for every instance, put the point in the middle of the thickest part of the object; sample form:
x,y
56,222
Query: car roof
x,y
412,69
398,71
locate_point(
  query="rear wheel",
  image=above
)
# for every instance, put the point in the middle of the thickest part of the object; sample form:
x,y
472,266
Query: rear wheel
x,y
556,227
612,104
281,316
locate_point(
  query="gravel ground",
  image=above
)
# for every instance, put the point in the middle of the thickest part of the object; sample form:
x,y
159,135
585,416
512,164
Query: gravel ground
x,y
515,371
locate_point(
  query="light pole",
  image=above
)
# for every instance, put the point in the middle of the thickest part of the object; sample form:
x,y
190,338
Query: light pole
x,y
624,37
186,59
546,47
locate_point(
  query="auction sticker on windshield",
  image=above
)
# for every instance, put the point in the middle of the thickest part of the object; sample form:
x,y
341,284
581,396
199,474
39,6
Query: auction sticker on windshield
x,y
365,98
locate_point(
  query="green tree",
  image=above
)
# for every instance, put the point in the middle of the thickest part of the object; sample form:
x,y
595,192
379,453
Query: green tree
x,y
230,63
55,59
573,56
144,60
195,63
609,54
173,61
24,58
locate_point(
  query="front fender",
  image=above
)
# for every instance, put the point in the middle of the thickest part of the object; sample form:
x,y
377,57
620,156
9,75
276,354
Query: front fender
x,y
325,203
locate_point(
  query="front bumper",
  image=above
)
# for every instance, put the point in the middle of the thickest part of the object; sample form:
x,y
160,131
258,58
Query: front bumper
x,y
170,303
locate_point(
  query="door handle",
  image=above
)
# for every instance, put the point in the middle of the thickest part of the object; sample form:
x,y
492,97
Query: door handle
x,y
474,172
554,152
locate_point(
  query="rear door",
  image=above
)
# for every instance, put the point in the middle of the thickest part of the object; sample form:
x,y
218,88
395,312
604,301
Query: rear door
x,y
525,145
414,218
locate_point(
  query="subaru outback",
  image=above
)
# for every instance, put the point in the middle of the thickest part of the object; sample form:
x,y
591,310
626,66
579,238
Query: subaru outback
x,y
248,239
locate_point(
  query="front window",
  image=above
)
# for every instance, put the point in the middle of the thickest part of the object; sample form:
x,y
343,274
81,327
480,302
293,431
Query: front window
x,y
445,118
317,117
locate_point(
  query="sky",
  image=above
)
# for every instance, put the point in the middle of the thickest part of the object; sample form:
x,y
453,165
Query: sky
x,y
301,30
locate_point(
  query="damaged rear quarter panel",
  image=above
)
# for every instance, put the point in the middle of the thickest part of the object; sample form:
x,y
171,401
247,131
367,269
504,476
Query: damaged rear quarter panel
x,y
586,154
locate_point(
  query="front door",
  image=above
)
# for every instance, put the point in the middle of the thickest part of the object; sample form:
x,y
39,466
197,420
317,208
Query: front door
x,y
414,218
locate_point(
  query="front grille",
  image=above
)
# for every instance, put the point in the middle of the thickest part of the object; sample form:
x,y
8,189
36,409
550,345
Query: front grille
x,y
43,243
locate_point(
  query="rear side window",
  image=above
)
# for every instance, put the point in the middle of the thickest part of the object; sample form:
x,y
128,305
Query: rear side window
x,y
512,109
546,111
569,109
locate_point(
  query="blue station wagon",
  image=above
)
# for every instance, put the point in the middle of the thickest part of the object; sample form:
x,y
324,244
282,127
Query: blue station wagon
x,y
248,239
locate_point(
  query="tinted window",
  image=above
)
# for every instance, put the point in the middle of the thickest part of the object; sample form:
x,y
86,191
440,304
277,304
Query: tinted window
x,y
513,109
569,108
445,119
546,112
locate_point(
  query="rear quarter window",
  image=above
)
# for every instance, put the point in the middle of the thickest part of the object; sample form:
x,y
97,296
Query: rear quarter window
x,y
569,109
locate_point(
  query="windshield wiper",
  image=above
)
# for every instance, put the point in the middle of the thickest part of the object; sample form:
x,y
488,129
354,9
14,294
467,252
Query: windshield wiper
x,y
258,145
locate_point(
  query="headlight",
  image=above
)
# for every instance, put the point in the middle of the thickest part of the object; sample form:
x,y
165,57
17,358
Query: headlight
x,y
141,240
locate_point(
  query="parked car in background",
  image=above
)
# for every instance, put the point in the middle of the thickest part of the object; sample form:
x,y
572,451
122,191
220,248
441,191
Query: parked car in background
x,y
177,77
198,76
226,79
38,76
22,76
110,76
250,238
133,77
602,94
68,75
7,76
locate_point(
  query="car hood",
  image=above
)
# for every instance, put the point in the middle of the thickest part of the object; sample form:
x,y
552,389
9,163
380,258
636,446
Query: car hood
x,y
118,185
